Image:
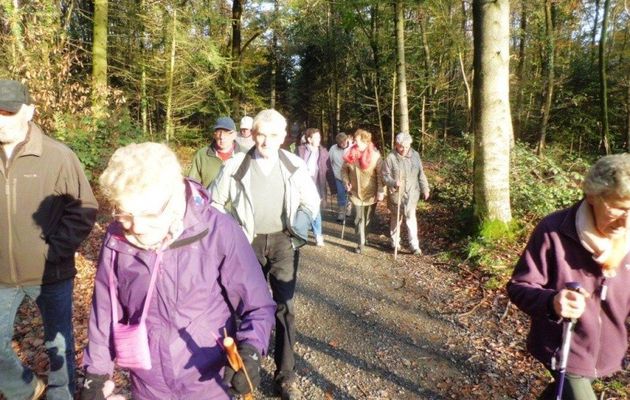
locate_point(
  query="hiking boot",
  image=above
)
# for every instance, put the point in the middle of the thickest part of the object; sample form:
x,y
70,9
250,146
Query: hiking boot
x,y
358,249
417,252
319,240
341,216
290,391
39,387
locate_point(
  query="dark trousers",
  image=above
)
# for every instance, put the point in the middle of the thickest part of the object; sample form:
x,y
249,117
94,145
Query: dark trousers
x,y
279,262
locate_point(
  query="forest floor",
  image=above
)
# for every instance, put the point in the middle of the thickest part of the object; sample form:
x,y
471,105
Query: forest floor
x,y
369,326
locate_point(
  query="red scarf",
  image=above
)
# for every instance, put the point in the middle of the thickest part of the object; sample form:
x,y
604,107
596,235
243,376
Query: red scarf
x,y
363,157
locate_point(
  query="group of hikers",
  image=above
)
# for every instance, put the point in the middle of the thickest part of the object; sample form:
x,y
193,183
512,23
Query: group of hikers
x,y
188,259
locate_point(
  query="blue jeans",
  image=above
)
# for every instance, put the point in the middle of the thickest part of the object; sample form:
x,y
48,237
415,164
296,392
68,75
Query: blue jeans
x,y
341,193
55,305
316,225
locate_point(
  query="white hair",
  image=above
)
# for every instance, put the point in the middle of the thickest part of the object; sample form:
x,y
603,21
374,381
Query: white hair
x,y
609,176
403,138
144,169
268,121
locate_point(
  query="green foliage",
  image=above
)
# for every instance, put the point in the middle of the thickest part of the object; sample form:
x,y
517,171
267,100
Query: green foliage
x,y
540,186
94,142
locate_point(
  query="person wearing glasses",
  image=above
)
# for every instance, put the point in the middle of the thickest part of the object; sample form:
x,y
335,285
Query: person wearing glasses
x,y
208,160
46,210
587,243
174,275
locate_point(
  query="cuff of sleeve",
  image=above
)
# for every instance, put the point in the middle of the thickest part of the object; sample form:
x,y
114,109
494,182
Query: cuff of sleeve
x,y
551,313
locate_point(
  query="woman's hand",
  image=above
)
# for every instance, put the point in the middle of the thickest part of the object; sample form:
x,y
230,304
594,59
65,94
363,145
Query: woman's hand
x,y
570,303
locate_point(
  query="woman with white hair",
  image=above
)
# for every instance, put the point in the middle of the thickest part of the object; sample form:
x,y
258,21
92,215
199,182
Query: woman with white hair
x,y
586,244
405,180
173,275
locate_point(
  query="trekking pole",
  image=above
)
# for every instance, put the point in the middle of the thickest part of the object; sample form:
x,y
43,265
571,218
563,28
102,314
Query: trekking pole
x,y
567,331
345,214
398,224
236,362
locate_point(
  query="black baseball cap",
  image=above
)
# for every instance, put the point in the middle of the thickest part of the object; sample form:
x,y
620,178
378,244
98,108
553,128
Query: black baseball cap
x,y
12,95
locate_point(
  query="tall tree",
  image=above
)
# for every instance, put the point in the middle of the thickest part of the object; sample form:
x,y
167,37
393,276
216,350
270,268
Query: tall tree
x,y
403,109
603,100
492,122
549,66
99,60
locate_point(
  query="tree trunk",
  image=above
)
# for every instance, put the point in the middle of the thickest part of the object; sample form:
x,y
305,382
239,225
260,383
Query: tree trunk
x,y
594,32
13,10
99,60
628,114
400,67
393,112
549,75
237,16
491,114
520,71
274,61
170,125
144,100
603,101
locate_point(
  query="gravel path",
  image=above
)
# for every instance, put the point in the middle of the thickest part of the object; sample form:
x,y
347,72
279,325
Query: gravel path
x,y
368,327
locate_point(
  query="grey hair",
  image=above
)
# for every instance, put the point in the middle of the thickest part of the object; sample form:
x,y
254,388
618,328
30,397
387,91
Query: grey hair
x,y
269,120
138,169
403,138
609,176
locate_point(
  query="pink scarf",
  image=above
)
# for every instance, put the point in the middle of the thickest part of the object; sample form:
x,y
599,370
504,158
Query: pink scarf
x,y
363,157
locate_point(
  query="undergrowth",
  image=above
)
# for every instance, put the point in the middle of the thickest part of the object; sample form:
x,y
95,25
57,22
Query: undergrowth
x,y
538,186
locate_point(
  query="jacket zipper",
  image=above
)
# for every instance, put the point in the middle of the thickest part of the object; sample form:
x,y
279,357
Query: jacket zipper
x,y
599,330
7,191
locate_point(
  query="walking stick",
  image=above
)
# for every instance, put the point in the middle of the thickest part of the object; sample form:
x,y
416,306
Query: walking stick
x,y
345,215
397,243
567,331
236,362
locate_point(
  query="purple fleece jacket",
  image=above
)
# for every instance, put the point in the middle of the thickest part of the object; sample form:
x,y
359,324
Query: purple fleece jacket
x,y
553,257
211,258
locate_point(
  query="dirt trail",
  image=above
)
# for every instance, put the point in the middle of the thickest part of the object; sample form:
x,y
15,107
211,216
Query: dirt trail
x,y
370,327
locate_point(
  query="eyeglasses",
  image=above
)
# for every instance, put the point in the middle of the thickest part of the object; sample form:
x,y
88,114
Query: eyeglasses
x,y
150,219
615,212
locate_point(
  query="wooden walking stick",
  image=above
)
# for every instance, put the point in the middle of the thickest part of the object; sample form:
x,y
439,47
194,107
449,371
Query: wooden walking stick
x,y
397,243
236,362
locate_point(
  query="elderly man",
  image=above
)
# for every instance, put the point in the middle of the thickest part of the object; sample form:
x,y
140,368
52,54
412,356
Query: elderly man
x,y
336,153
208,160
405,179
586,244
47,209
244,138
274,200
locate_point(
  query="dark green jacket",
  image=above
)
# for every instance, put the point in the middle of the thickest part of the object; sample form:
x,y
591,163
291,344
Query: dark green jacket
x,y
46,210
206,164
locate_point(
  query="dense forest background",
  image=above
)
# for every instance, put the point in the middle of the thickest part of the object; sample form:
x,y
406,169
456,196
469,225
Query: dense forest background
x,y
104,73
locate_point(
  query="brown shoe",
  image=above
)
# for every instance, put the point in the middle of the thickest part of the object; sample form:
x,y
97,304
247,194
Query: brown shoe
x,y
39,387
290,391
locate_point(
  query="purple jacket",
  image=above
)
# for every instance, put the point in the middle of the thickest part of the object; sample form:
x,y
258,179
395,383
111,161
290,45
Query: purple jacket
x,y
211,259
324,171
553,257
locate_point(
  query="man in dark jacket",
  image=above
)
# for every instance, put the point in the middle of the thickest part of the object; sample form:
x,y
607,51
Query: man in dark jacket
x,y
46,210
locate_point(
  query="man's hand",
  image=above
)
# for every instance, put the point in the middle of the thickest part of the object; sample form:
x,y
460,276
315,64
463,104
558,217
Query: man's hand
x,y
570,303
236,380
98,387
380,196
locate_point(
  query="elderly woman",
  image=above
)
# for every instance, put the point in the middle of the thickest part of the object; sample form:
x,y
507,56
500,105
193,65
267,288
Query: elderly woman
x,y
316,158
173,275
405,180
361,175
587,243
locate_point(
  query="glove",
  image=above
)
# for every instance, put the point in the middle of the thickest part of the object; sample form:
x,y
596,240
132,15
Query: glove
x,y
98,387
236,381
93,386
